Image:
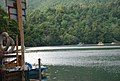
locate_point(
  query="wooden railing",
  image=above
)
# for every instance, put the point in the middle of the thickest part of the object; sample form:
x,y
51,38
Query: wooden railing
x,y
13,63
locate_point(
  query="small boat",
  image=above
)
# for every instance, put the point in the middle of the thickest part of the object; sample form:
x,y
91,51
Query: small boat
x,y
34,73
100,44
80,44
113,43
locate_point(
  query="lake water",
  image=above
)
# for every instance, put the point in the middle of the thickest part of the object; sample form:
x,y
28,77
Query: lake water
x,y
77,65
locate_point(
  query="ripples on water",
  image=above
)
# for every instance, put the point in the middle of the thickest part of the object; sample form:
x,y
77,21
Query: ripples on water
x,y
76,58
79,65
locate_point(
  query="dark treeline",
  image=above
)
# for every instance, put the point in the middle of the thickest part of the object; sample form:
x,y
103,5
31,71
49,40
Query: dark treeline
x,y
62,25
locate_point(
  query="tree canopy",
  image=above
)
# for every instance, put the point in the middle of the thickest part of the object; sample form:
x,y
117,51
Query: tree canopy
x,y
64,25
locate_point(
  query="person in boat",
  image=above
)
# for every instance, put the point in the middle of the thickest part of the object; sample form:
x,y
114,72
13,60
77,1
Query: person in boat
x,y
5,38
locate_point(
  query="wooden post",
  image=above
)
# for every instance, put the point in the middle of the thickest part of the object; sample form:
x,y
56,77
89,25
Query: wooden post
x,y
17,50
19,10
39,62
20,24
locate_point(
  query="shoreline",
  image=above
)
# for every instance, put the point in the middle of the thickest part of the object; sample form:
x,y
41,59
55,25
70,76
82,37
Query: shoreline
x,y
65,48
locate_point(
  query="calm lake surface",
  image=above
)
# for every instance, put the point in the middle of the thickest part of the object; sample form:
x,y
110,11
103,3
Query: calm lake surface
x,y
77,65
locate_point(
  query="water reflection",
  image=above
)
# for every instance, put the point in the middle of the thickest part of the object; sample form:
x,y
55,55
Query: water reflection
x,y
76,57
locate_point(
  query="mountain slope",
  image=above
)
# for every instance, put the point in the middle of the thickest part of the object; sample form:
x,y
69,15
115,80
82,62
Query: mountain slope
x,y
61,24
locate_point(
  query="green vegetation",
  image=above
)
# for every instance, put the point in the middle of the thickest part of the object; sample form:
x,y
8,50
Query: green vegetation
x,y
7,24
65,22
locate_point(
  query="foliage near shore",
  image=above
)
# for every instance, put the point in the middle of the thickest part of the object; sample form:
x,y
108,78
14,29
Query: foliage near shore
x,y
6,24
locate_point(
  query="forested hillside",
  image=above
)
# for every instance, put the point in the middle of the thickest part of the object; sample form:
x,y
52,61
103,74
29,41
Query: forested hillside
x,y
72,22
66,22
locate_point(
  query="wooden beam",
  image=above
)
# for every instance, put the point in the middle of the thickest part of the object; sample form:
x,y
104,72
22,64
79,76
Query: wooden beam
x,y
10,56
11,65
17,57
20,24
39,63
